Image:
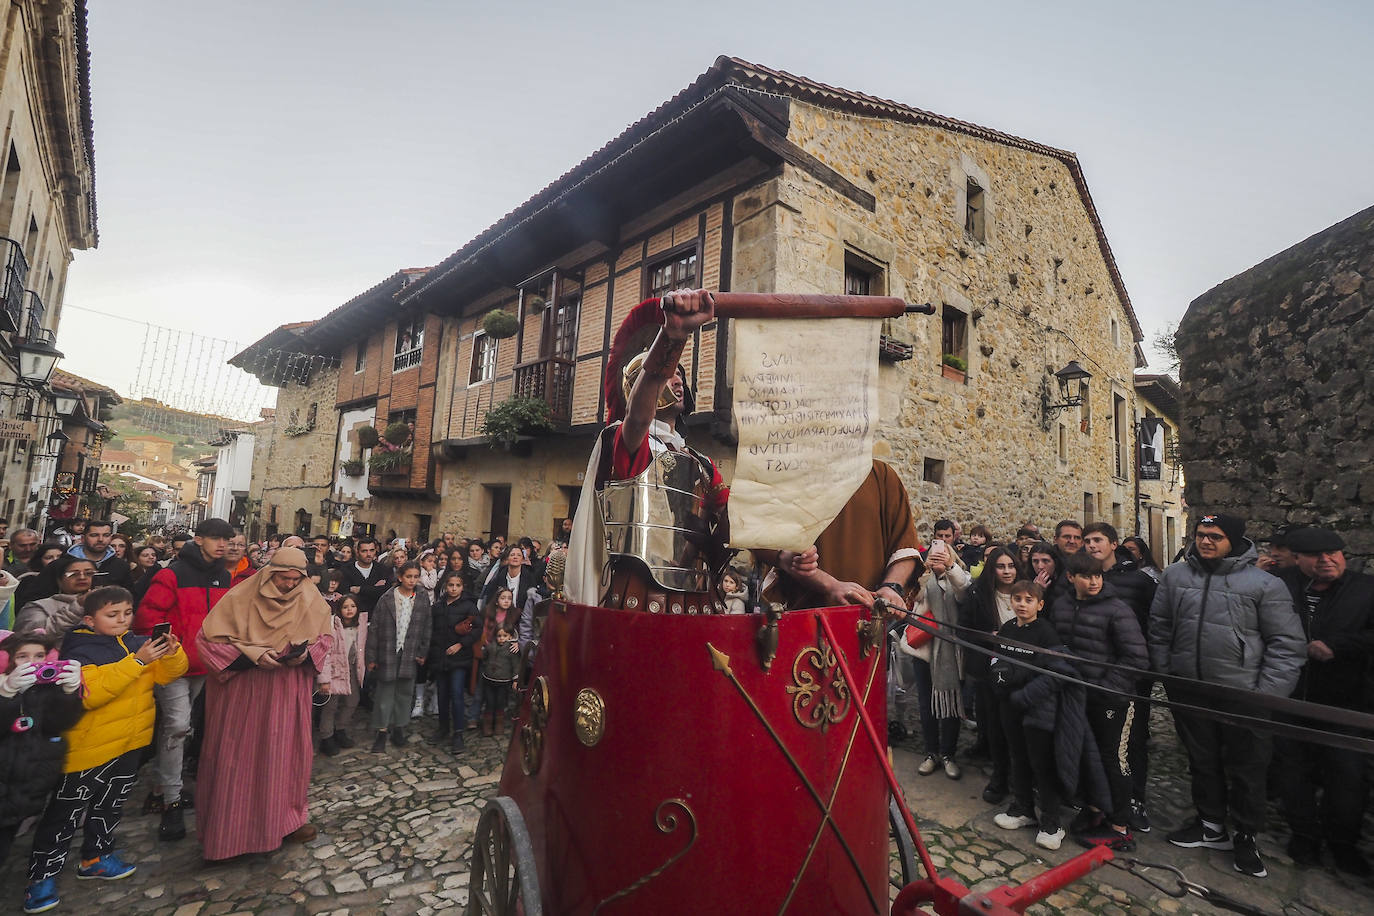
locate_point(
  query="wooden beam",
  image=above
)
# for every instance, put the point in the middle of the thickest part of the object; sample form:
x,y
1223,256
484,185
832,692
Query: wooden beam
x,y
794,155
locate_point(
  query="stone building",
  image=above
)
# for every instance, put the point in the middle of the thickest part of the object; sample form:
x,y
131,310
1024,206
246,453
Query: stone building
x,y
755,180
47,210
1278,397
293,451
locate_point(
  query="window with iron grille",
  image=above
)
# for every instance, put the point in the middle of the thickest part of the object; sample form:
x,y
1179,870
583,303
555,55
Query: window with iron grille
x,y
483,359
410,342
676,272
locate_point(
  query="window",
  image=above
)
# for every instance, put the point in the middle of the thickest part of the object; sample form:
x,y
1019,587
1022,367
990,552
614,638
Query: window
x,y
410,342
861,276
1120,434
483,359
954,338
1118,517
559,337
933,471
360,359
1089,514
974,204
1063,442
1085,409
676,272
1116,333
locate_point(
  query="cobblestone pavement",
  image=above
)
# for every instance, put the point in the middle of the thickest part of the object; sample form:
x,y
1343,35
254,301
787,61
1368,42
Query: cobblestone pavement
x,y
395,831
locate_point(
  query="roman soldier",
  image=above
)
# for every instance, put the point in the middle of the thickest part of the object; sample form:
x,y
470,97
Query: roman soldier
x,y
653,530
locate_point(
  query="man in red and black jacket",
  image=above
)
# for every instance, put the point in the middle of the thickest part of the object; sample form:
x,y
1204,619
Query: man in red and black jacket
x,y
182,595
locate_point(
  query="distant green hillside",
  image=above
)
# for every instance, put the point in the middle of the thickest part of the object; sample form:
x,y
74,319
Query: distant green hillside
x,y
189,432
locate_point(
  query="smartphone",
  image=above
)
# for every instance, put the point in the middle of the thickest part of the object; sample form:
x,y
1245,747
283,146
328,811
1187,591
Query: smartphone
x,y
161,631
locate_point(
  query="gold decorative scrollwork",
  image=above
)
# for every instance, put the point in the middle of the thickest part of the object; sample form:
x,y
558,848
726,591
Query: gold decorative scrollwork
x,y
820,695
532,731
589,716
666,822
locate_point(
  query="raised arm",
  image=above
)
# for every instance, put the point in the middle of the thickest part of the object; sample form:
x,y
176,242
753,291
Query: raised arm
x,y
684,311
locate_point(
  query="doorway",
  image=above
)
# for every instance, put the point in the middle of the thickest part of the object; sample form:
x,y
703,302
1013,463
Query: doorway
x,y
500,511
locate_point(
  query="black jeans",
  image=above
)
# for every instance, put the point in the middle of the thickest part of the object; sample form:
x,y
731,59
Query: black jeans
x,y
99,794
1031,751
451,686
990,726
1341,776
941,736
1138,750
1228,764
1113,722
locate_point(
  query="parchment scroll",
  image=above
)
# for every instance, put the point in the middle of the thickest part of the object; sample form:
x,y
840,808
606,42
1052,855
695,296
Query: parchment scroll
x,y
806,404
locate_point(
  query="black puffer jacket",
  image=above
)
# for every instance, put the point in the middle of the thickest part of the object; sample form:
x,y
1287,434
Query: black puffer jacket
x,y
1133,586
1102,629
447,617
31,761
1345,623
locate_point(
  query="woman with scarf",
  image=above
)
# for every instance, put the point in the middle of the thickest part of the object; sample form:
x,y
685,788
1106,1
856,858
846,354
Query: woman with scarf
x,y
263,645
938,676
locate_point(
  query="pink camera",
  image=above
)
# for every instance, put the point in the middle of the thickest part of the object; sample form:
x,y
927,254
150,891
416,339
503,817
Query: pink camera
x,y
49,672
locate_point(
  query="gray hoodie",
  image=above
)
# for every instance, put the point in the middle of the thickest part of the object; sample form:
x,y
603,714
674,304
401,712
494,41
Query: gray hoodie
x,y
1234,625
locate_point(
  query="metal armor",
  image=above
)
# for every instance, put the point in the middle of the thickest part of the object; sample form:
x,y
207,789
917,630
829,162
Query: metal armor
x,y
660,519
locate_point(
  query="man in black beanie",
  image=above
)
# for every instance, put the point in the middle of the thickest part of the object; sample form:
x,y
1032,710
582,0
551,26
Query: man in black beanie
x,y
1218,618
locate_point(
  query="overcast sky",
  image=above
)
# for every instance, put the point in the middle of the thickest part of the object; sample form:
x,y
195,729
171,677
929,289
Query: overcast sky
x,y
261,162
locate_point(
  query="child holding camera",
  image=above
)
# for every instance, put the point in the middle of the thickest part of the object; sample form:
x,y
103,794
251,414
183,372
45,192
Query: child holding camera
x,y
38,702
119,671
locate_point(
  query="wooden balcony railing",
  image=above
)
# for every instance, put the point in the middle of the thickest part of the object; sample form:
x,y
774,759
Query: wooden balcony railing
x,y
549,379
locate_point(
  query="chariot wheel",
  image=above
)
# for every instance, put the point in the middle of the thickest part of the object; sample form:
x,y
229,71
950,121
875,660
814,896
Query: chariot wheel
x,y
504,881
902,843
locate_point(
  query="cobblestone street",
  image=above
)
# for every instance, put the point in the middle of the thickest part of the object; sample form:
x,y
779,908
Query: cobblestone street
x,y
395,831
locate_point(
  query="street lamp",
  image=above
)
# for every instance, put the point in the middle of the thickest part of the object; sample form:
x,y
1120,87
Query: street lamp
x,y
65,403
37,359
1073,372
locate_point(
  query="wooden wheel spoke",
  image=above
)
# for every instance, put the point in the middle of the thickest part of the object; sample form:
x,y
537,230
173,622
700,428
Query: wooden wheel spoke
x,y
501,854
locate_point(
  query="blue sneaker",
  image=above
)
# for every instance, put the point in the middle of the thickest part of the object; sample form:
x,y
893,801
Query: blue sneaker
x,y
110,867
41,896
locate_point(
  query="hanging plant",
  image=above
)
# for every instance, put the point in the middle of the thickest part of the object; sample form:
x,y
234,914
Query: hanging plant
x,y
367,436
353,467
514,417
500,324
397,434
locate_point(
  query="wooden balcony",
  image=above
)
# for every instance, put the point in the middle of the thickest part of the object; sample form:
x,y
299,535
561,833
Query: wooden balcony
x,y
550,379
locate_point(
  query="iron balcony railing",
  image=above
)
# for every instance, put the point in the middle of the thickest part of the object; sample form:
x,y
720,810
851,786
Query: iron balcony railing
x,y
33,319
13,275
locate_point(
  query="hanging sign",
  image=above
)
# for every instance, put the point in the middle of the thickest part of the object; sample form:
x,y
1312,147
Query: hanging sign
x,y
19,429
1151,448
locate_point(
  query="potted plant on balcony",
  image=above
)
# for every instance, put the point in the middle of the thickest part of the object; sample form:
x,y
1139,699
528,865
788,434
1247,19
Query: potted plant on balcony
x,y
353,467
516,416
953,367
396,434
500,324
389,461
368,436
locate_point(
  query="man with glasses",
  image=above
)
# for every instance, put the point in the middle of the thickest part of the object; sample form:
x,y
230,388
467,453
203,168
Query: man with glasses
x,y
1336,608
1218,618
94,545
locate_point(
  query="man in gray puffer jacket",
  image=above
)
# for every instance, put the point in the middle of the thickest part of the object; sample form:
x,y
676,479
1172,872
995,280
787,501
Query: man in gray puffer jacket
x,y
1218,618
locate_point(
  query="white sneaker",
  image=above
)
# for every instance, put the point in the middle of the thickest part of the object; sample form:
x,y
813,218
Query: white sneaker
x,y
1049,840
1008,821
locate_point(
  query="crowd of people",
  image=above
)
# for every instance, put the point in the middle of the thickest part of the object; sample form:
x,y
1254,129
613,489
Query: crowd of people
x,y
1053,647
167,652
1050,646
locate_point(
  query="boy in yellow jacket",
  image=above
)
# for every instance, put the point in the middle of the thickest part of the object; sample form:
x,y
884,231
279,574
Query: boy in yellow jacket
x,y
119,671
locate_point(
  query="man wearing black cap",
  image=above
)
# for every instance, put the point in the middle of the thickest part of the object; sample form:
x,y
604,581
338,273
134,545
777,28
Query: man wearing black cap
x,y
1336,608
1218,618
182,595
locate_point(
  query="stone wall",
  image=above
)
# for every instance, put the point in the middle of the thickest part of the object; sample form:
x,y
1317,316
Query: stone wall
x,y
1278,396
1037,292
296,471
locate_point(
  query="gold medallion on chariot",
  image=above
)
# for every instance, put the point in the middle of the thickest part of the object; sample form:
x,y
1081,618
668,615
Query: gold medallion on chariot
x,y
589,716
